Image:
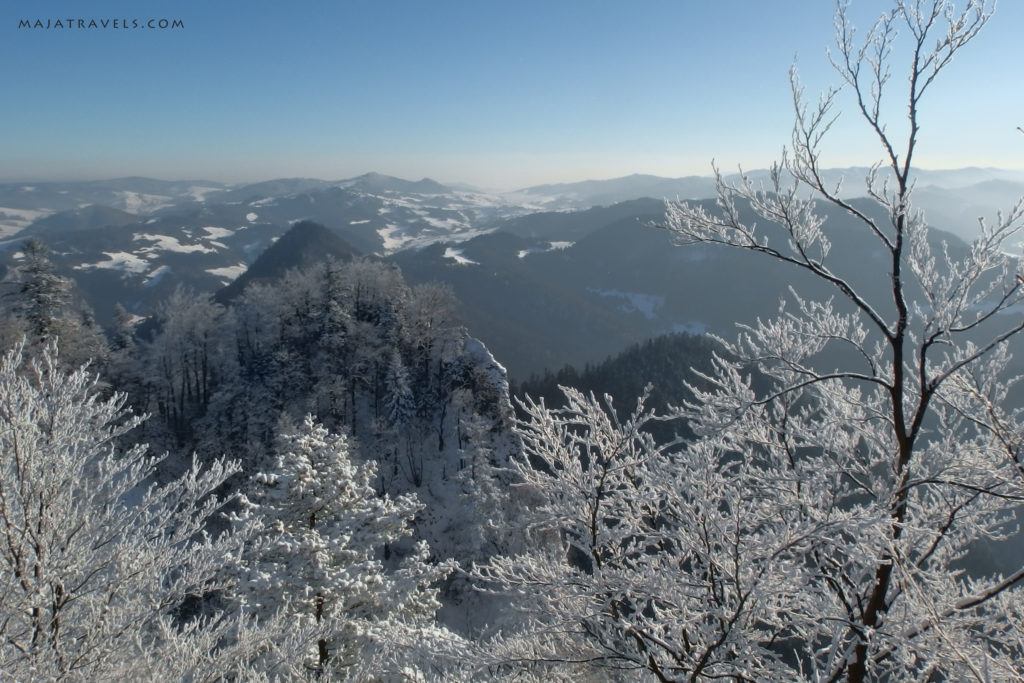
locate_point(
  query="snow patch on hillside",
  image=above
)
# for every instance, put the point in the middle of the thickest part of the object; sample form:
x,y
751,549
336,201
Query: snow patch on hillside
x,y
139,203
228,273
457,256
217,233
118,260
169,243
450,223
13,220
365,220
156,275
198,192
251,217
552,246
393,238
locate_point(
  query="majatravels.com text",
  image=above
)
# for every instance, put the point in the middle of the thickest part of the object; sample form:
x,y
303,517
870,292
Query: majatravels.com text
x,y
74,24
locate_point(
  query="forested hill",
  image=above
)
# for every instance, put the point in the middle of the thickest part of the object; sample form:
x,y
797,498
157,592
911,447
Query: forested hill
x,y
306,243
665,362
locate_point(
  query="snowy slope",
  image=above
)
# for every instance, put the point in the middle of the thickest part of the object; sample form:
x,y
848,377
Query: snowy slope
x,y
132,241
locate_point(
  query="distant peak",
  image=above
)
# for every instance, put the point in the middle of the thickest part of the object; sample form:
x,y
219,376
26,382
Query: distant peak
x,y
374,182
306,243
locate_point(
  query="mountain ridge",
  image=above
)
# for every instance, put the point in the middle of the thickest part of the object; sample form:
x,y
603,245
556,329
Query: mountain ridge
x,y
203,240
305,244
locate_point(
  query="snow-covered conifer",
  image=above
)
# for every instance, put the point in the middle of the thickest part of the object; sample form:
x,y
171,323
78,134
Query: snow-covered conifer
x,y
318,557
399,402
44,295
43,308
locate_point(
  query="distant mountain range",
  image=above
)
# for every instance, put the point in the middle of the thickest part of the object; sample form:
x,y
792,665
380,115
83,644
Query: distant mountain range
x,y
133,240
953,200
954,196
547,275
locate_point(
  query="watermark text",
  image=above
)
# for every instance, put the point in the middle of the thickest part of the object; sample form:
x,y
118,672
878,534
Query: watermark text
x,y
99,24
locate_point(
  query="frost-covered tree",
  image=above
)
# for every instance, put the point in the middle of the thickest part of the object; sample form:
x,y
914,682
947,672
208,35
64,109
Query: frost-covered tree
x,y
352,344
42,307
318,558
399,402
96,562
591,486
852,455
44,294
369,356
185,360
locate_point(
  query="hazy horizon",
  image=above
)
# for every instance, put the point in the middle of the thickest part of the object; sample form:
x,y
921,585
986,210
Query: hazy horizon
x,y
1016,173
490,96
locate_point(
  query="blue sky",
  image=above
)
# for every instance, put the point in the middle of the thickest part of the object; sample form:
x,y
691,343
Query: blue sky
x,y
496,94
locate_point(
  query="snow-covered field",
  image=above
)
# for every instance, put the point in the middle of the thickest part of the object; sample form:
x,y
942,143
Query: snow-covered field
x,y
119,260
218,233
170,243
228,273
393,238
13,220
139,203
